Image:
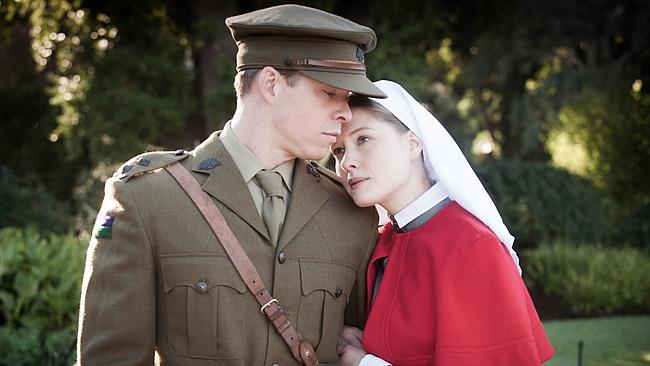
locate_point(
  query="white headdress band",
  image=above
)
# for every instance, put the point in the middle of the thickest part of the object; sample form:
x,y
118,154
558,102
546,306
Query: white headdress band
x,y
445,162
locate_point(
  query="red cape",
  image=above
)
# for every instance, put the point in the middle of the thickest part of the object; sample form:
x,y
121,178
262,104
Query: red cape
x,y
451,296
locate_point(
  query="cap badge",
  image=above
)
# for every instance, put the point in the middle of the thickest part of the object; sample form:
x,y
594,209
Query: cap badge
x,y
360,54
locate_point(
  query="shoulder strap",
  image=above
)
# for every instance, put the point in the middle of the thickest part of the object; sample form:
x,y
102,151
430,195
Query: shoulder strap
x,y
300,348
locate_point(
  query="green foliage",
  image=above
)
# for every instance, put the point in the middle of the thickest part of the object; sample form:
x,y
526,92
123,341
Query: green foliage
x,y
24,202
40,279
630,225
27,122
135,96
593,280
610,120
129,81
540,203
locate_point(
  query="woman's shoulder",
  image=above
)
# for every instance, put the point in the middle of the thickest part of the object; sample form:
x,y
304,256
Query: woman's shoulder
x,y
456,225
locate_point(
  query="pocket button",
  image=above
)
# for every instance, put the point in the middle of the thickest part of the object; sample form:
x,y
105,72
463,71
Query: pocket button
x,y
202,287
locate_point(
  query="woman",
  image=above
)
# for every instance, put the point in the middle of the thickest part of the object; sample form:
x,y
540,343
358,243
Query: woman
x,y
444,285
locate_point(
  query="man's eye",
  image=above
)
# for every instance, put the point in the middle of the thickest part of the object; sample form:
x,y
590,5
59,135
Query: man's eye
x,y
329,94
338,152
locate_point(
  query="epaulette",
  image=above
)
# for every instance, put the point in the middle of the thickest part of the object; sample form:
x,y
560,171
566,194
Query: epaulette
x,y
147,162
316,169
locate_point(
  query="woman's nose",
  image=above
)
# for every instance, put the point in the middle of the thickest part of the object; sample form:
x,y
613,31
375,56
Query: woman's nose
x,y
349,163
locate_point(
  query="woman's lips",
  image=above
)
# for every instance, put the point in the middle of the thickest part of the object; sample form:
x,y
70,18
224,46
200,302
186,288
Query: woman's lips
x,y
355,183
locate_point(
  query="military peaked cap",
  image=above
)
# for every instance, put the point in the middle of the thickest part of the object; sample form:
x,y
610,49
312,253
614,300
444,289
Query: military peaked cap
x,y
320,45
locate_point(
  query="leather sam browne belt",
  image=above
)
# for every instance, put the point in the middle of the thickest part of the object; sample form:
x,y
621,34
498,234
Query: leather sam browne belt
x,y
300,348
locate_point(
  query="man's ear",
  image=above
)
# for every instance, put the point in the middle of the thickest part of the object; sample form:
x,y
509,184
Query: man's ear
x,y
268,80
415,145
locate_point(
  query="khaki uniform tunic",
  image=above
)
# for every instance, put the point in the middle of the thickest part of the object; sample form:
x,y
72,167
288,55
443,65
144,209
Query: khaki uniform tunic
x,y
158,280
249,165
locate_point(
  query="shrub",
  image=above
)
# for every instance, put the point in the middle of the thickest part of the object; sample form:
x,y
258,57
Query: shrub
x,y
26,203
40,278
540,203
591,279
629,225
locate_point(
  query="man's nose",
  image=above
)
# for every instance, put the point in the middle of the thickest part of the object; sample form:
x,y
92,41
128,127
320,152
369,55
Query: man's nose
x,y
344,113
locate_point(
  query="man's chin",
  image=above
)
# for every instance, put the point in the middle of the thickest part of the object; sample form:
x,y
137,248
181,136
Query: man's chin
x,y
315,155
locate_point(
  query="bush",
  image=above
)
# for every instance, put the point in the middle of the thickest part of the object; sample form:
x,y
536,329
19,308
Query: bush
x,y
40,279
629,225
591,279
26,203
540,203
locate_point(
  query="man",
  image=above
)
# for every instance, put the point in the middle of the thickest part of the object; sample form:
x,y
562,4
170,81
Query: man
x,y
157,279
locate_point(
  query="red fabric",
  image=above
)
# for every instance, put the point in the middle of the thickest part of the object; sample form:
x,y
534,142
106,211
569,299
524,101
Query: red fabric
x,y
451,296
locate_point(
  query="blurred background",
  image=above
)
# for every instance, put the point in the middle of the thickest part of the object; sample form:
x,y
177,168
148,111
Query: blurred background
x,y
548,99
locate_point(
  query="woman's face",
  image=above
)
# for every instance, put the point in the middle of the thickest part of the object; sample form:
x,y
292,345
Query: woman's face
x,y
373,159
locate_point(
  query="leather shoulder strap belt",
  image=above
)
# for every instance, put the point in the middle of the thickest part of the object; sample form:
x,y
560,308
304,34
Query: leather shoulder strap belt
x,y
300,348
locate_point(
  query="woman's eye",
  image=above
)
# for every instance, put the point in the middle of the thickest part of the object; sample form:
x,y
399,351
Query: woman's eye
x,y
329,94
338,152
363,139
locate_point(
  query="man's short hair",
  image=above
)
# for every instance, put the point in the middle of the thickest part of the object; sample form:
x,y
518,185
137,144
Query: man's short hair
x,y
245,78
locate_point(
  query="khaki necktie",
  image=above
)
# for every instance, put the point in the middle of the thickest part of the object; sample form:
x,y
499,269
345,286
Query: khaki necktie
x,y
273,207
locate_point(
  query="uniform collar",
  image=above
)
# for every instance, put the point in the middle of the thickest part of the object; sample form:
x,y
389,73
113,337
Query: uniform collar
x,y
420,210
247,163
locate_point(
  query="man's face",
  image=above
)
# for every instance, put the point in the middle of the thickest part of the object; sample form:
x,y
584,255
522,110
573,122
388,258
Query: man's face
x,y
308,117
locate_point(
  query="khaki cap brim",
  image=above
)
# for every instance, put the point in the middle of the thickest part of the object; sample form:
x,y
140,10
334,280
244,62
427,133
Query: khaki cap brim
x,y
355,83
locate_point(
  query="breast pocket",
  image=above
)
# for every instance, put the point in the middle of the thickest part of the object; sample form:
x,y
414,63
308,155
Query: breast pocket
x,y
326,287
203,302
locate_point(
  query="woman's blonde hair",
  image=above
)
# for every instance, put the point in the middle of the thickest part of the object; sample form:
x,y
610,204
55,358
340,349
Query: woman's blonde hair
x,y
363,102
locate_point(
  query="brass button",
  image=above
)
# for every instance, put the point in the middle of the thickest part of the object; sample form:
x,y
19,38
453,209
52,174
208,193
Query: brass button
x,y
282,256
338,292
202,287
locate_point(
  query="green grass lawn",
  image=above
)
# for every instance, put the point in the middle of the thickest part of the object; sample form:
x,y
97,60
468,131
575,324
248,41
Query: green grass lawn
x,y
612,341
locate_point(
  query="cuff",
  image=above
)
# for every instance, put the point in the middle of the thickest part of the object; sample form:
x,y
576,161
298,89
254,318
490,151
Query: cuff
x,y
372,360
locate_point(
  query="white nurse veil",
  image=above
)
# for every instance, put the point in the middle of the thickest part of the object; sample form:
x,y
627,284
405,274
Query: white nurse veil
x,y
445,162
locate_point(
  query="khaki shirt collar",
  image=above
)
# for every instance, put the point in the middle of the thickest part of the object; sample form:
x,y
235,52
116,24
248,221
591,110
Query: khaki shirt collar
x,y
247,163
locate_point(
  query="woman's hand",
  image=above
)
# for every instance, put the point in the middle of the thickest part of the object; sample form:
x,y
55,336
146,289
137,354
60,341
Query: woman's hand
x,y
349,346
352,335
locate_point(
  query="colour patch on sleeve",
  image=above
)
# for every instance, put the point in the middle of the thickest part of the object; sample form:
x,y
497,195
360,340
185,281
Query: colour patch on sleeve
x,y
105,231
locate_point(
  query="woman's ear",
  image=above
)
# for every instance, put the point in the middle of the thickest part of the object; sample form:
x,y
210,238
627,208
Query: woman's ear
x,y
267,82
415,146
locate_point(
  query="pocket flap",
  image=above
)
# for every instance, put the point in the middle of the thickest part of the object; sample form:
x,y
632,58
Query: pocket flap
x,y
335,278
190,269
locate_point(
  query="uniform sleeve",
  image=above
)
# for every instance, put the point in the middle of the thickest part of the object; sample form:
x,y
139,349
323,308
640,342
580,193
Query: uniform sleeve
x,y
117,313
355,310
484,314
